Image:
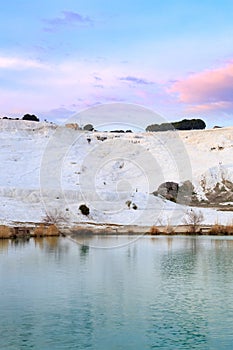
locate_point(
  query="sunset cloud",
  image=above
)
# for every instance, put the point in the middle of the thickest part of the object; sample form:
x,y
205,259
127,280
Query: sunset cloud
x,y
209,89
136,80
68,55
211,107
18,63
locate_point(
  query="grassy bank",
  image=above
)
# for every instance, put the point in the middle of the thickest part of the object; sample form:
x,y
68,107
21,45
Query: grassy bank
x,y
50,230
42,230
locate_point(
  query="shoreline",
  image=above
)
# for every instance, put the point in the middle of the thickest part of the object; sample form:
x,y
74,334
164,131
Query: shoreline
x,y
36,230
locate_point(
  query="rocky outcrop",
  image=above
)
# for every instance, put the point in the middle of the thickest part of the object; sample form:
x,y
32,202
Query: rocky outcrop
x,y
168,190
180,193
187,193
220,193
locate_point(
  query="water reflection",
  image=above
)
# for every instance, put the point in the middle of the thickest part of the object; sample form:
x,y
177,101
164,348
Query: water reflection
x,y
84,249
84,252
4,244
164,292
20,242
169,243
55,246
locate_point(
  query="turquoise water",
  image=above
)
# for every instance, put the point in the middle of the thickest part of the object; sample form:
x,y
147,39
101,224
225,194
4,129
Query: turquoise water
x,y
156,293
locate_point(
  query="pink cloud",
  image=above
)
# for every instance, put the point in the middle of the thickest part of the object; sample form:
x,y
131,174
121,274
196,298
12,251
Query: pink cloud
x,y
208,107
210,89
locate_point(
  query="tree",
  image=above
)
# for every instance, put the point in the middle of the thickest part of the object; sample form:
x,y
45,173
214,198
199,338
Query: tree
x,y
193,219
55,217
88,127
189,124
31,117
185,124
160,127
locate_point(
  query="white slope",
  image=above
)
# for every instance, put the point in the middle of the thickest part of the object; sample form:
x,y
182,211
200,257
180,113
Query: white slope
x,y
52,169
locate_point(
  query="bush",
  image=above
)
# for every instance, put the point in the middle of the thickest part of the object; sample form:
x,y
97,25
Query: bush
x,y
52,230
154,230
88,127
169,230
5,232
31,117
193,219
118,131
44,231
191,124
40,231
84,209
221,230
160,127
128,203
56,217
185,124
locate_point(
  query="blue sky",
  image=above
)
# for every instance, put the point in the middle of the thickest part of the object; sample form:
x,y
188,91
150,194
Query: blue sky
x,y
174,57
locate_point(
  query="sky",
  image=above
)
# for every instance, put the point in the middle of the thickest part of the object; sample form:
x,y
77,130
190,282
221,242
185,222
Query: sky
x,y
174,57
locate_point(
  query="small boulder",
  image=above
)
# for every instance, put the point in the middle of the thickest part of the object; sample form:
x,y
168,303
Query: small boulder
x,y
168,190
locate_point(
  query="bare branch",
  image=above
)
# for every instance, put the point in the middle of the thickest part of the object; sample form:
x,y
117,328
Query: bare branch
x,y
193,219
55,217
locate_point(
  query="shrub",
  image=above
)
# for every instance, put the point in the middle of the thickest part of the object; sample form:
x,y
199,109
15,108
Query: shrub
x,y
52,230
229,229
193,219
88,127
221,230
154,230
5,231
117,131
169,230
31,117
84,209
128,203
44,231
184,124
40,231
55,217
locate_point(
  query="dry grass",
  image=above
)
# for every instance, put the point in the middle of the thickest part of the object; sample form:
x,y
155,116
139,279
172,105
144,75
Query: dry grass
x,y
39,231
229,229
44,231
221,230
169,230
77,230
154,230
5,232
55,217
52,230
